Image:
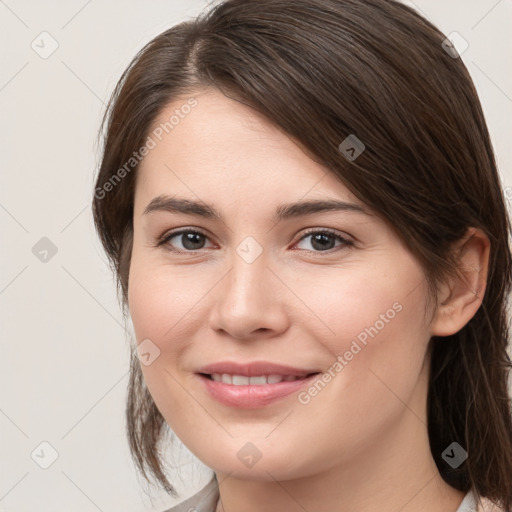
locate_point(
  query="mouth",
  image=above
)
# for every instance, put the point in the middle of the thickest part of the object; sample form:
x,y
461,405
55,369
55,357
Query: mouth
x,y
257,380
255,392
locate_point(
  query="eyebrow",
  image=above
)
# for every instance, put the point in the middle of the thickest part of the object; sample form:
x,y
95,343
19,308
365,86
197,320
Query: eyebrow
x,y
282,212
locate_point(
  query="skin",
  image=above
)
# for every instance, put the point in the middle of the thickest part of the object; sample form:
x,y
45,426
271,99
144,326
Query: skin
x,y
361,443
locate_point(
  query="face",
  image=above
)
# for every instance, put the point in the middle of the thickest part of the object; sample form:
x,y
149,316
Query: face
x,y
331,292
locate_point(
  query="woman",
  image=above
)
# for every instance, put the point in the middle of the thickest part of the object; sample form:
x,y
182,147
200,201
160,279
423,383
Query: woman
x,y
300,202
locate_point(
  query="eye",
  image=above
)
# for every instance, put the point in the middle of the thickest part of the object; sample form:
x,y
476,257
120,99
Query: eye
x,y
190,239
324,239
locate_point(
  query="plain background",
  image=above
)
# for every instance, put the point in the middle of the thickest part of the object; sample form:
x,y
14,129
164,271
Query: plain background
x,y
64,362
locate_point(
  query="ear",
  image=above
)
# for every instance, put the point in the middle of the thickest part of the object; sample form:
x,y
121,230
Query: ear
x,y
460,298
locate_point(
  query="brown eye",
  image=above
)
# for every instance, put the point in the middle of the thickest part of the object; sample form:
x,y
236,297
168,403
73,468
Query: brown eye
x,y
324,240
189,239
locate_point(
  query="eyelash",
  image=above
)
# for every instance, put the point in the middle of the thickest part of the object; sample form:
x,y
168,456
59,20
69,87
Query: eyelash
x,y
345,242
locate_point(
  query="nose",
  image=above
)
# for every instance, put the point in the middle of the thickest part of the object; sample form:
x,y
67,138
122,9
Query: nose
x,y
248,301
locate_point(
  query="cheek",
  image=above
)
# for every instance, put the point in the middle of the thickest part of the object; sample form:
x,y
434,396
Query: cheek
x,y
160,302
369,306
376,336
377,351
161,298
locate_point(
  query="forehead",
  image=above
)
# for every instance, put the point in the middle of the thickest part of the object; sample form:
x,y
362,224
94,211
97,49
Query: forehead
x,y
222,147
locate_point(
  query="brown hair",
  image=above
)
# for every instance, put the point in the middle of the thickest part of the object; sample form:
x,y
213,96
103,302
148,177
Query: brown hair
x,y
322,70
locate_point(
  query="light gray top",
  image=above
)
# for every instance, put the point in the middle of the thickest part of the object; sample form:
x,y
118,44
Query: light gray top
x,y
206,500
203,501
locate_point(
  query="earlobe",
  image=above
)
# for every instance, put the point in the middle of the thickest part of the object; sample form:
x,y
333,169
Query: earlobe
x,y
460,299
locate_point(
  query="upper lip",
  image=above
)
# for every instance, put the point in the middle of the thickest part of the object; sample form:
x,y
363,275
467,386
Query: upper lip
x,y
255,368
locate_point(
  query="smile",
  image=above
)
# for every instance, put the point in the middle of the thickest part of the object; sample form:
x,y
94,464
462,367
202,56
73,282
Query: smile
x,y
253,392
259,380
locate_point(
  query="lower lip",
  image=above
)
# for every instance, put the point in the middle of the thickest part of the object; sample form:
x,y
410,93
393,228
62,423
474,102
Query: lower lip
x,y
252,396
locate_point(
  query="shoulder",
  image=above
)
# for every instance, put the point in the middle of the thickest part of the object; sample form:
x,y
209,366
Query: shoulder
x,y
475,503
203,501
206,501
486,505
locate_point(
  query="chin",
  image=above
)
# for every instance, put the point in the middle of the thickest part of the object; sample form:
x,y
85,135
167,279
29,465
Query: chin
x,y
265,469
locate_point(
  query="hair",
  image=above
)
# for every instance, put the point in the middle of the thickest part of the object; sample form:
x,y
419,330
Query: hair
x,y
322,70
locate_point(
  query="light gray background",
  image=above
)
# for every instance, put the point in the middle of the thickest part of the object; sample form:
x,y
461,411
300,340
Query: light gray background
x,y
64,353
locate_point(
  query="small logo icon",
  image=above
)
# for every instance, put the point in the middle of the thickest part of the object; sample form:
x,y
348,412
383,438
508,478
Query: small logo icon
x,y
249,454
44,250
147,352
454,45
249,249
351,147
454,455
44,45
44,455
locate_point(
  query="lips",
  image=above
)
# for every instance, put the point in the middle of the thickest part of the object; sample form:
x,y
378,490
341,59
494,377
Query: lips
x,y
253,385
260,380
255,369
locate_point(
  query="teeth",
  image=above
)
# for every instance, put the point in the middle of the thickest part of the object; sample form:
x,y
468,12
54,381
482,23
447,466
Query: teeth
x,y
226,378
260,380
238,380
255,381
